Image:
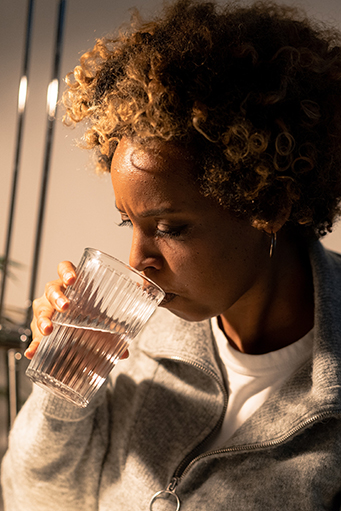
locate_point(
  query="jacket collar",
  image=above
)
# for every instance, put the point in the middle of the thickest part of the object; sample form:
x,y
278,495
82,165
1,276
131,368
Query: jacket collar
x,y
168,336
326,269
313,393
315,389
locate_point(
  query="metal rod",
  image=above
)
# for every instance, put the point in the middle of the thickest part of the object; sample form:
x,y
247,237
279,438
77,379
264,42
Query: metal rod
x,y
20,123
47,158
13,392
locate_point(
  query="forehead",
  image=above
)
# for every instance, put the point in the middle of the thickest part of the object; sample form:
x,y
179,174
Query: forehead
x,y
156,158
161,172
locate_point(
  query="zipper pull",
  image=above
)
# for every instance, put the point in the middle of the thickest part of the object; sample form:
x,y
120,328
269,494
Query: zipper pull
x,y
167,493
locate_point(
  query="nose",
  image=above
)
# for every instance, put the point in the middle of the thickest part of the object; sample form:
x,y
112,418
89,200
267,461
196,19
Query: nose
x,y
144,255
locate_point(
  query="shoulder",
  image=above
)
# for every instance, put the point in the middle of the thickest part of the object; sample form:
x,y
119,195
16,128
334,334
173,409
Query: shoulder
x,y
326,264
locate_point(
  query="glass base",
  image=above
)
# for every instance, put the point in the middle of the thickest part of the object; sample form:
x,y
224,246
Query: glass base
x,y
57,388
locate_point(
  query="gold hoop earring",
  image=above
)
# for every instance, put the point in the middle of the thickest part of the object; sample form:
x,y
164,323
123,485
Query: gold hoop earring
x,y
273,243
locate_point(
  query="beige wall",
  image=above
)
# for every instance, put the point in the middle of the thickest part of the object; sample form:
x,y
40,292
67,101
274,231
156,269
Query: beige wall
x,y
80,206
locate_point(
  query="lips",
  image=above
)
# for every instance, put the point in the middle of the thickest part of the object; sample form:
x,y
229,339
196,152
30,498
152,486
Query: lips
x,y
168,298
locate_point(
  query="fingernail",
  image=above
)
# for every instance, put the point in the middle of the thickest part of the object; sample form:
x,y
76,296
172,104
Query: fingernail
x,y
68,277
61,303
44,325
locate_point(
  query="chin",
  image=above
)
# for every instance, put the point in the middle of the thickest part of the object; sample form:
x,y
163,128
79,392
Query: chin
x,y
186,314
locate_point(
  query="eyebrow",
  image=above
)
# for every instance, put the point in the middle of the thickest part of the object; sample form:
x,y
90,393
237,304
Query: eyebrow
x,y
154,212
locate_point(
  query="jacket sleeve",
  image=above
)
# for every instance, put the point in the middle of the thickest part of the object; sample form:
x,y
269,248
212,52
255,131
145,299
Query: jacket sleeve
x,y
55,454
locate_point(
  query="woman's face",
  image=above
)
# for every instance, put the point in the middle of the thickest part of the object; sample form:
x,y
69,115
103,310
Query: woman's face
x,y
205,259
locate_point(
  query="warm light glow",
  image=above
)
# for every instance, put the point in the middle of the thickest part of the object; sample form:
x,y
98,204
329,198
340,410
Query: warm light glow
x,y
52,97
22,94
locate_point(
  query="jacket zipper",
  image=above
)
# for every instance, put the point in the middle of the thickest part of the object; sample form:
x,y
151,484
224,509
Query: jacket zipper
x,y
190,458
186,464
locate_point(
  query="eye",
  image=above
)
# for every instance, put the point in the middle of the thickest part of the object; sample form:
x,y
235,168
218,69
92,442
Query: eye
x,y
166,231
125,223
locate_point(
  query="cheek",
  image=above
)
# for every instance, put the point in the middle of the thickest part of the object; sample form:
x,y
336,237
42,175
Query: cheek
x,y
215,268
195,267
177,258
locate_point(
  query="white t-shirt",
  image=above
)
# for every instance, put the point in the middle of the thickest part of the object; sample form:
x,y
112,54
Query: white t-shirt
x,y
251,379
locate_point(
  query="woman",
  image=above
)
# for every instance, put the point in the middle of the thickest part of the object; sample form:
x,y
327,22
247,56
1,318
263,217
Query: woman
x,y
221,129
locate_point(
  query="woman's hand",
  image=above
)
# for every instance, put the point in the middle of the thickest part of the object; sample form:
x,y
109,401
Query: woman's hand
x,y
53,299
44,307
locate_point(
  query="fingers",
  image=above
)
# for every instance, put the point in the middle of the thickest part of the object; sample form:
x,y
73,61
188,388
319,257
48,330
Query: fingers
x,y
54,291
54,296
67,273
52,300
41,323
32,349
43,311
44,307
125,355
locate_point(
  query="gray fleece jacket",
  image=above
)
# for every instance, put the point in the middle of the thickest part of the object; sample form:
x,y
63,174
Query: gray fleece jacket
x,y
146,430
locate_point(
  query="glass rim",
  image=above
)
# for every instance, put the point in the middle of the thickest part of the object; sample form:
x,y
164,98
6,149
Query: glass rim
x,y
95,251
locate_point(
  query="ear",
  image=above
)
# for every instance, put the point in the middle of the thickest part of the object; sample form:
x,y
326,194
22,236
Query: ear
x,y
273,226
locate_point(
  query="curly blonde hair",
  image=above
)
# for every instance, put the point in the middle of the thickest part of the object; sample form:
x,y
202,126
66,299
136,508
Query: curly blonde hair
x,y
255,90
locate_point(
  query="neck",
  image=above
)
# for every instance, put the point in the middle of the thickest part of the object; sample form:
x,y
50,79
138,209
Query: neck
x,y
279,309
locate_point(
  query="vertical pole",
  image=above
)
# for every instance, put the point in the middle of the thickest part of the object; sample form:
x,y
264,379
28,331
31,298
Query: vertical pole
x,y
52,106
21,117
13,355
